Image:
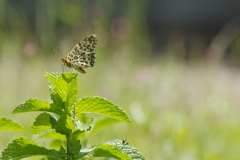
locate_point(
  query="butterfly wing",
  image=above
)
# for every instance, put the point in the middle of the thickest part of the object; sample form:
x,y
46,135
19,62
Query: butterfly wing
x,y
80,70
82,55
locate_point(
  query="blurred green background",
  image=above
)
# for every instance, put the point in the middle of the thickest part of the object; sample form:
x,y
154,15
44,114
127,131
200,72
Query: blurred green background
x,y
174,68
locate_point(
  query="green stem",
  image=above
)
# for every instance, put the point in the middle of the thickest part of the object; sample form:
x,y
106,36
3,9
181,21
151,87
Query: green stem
x,y
69,141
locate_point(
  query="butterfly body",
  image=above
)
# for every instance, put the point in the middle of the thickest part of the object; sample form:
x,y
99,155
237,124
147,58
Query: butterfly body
x,y
82,55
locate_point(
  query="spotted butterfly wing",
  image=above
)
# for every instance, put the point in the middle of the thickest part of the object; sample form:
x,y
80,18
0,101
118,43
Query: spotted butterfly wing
x,y
82,55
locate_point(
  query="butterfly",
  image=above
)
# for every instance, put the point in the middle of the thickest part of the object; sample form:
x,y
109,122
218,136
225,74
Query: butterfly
x,y
82,55
124,141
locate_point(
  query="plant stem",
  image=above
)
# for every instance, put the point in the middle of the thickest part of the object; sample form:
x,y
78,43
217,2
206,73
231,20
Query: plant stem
x,y
69,141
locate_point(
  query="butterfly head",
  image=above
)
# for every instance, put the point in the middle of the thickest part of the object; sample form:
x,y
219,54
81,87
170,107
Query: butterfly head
x,y
65,62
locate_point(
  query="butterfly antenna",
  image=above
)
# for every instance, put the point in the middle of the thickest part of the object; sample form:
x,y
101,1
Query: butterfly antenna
x,y
57,51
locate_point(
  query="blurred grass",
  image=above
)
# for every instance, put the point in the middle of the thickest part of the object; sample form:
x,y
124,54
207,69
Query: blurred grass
x,y
180,111
183,111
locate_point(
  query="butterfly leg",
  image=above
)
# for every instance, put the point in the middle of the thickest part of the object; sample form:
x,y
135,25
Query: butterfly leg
x,y
63,68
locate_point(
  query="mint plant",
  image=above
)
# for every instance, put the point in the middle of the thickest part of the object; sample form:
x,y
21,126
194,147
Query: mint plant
x,y
63,119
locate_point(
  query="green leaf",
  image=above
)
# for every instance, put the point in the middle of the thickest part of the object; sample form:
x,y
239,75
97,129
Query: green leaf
x,y
102,106
56,143
51,134
51,158
75,148
63,88
62,150
24,147
100,124
81,128
116,149
85,126
8,124
42,122
65,124
36,105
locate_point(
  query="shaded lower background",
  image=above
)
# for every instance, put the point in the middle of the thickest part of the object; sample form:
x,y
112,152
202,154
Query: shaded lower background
x,y
173,67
